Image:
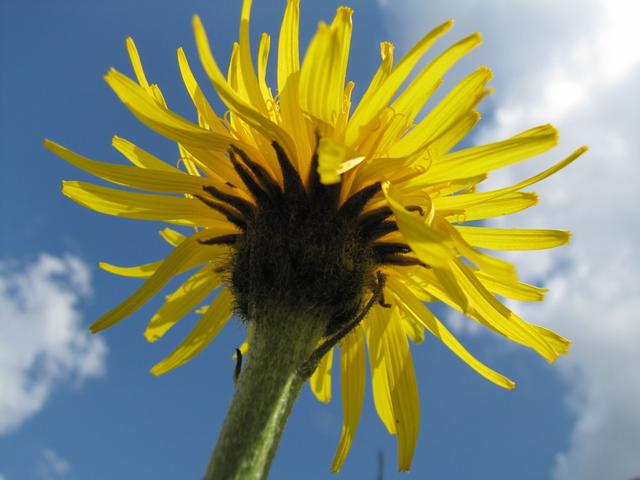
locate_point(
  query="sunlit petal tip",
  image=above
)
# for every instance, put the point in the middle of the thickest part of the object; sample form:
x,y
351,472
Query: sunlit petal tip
x,y
386,47
65,186
150,336
583,149
197,22
345,12
157,370
569,236
48,144
446,25
486,70
111,73
547,131
320,381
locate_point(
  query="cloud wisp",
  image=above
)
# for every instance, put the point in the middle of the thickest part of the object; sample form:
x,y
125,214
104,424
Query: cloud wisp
x,y
575,64
43,341
52,466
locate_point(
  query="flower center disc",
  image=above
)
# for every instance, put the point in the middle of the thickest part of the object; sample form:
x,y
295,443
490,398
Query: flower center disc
x,y
298,248
304,255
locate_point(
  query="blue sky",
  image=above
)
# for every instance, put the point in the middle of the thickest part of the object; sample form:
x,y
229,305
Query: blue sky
x,y
86,407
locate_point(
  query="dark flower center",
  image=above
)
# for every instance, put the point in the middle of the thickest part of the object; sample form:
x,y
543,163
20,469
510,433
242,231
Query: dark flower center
x,y
298,247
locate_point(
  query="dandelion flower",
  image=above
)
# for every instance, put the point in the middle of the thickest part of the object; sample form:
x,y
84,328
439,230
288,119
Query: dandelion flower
x,y
323,224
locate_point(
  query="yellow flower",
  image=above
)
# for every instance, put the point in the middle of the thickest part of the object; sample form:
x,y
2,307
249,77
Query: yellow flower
x,y
301,196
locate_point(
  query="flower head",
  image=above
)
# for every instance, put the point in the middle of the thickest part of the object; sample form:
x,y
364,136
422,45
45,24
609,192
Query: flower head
x,y
360,213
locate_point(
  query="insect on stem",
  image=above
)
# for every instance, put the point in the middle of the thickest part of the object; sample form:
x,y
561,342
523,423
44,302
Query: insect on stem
x,y
238,367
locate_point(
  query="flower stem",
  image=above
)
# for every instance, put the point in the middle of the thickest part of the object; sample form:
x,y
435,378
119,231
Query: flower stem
x,y
265,393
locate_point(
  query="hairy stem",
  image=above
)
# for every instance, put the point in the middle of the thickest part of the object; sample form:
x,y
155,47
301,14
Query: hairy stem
x,y
267,388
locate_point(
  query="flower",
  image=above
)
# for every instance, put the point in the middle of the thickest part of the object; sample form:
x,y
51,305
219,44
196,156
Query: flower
x,y
361,215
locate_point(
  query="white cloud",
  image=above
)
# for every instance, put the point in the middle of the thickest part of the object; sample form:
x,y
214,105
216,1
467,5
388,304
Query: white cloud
x,y
575,64
43,341
52,466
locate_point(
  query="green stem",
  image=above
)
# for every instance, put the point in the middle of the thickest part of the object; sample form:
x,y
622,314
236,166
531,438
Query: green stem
x,y
265,393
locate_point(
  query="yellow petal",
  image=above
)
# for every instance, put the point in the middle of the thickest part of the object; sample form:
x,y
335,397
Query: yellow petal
x,y
427,243
234,74
497,267
216,165
545,173
161,119
511,289
557,342
415,283
211,322
484,158
139,157
349,165
383,72
367,111
480,198
352,381
248,112
177,210
459,102
412,99
320,381
513,238
424,282
324,69
142,178
264,47
373,328
197,96
190,251
403,388
343,114
496,316
452,136
138,271
458,185
413,329
415,308
431,243
292,118
157,96
171,236
263,59
137,64
331,155
288,49
239,126
407,106
465,208
189,161
181,302
250,79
